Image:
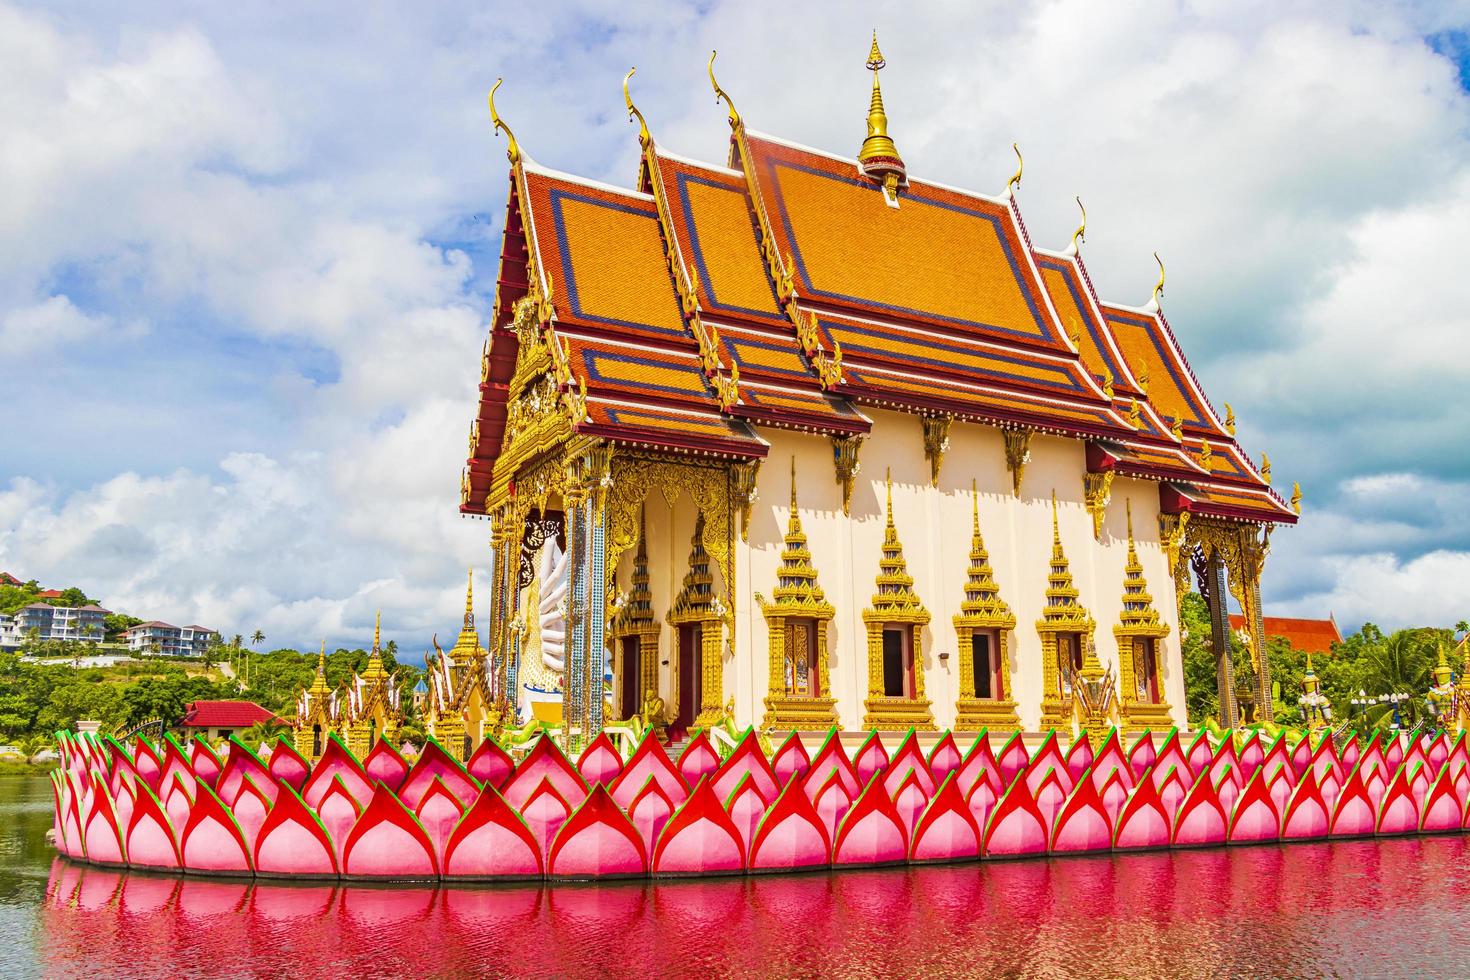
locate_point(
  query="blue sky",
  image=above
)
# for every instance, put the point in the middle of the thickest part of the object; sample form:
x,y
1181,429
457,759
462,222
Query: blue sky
x,y
246,259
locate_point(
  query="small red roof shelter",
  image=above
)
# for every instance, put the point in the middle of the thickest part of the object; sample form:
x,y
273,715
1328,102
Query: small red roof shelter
x,y
1306,635
231,715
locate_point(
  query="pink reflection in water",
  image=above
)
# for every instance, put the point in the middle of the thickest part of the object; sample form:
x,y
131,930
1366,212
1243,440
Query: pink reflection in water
x,y
1351,907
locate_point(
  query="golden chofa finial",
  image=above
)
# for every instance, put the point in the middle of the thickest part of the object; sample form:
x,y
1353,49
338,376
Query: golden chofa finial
x,y
720,94
1015,180
1158,286
878,157
512,148
643,135
1266,468
1296,498
1229,419
1080,235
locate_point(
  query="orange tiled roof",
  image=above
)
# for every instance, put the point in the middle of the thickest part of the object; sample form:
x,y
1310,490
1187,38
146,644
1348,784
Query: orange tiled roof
x,y
939,306
1307,635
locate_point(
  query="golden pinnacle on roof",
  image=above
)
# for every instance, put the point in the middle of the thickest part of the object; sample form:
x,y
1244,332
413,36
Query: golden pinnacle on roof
x,y
1266,468
1080,235
512,148
1296,498
1062,605
1015,180
1158,286
1229,419
878,158
643,135
720,93
375,668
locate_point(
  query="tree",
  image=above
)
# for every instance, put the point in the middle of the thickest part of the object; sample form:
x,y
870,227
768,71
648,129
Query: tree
x,y
257,638
72,597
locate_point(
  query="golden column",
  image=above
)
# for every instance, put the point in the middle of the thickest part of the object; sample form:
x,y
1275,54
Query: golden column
x,y
796,626
897,612
697,605
1139,632
636,620
1065,628
983,611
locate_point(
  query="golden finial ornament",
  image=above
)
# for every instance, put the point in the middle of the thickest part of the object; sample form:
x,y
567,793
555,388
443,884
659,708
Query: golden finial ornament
x,y
888,473
1107,384
643,135
1206,451
1015,180
1296,498
878,158
1135,417
1143,380
720,93
1080,235
512,148
1229,419
1266,468
1176,428
1056,531
1158,286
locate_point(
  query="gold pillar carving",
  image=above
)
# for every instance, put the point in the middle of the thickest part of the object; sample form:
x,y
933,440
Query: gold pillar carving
x,y
936,443
1097,492
845,460
1018,454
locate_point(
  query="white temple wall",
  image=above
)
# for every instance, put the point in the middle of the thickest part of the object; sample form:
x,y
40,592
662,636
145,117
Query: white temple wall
x,y
934,525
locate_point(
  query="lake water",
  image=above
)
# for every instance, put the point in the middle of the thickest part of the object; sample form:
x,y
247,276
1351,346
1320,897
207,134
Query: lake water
x,y
1352,908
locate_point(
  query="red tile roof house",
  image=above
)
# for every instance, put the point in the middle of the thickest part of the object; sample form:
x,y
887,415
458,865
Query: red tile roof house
x,y
7,579
216,720
1306,635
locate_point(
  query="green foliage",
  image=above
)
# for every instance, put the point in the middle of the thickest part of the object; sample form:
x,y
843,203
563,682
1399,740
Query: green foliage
x,y
1367,661
14,598
118,623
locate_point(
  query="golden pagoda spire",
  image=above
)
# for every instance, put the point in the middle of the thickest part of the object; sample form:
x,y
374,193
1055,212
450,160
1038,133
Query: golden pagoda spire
x,y
1092,668
697,594
638,610
878,158
895,585
1061,594
1139,615
982,605
319,682
375,668
797,591
467,649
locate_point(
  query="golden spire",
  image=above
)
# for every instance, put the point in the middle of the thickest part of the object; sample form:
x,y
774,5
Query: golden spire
x,y
982,607
696,597
1092,668
895,596
720,93
375,668
1139,616
512,148
797,590
1062,605
1158,286
643,135
878,157
638,610
319,682
467,649
1442,669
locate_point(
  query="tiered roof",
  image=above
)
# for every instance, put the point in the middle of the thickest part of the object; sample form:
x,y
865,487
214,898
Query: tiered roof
x,y
982,606
794,286
797,592
1063,611
1139,617
895,599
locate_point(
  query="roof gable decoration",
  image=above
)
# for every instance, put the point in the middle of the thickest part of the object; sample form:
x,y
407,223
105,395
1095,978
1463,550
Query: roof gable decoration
x,y
724,379
828,366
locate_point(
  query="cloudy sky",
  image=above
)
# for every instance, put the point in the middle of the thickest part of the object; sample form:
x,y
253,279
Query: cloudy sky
x,y
247,256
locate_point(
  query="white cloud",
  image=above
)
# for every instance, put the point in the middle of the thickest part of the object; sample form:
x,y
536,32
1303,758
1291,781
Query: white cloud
x,y
53,322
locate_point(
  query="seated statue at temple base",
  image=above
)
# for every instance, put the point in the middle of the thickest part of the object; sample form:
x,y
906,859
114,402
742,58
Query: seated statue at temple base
x,y
653,714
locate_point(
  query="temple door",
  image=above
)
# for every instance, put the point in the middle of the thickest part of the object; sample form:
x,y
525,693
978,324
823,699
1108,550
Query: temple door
x,y
985,665
898,663
1150,669
690,673
632,698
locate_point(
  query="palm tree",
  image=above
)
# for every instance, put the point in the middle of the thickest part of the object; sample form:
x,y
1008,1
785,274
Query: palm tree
x,y
263,731
1401,664
256,638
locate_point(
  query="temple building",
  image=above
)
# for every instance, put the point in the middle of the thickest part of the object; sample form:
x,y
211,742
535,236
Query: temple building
x,y
367,707
801,439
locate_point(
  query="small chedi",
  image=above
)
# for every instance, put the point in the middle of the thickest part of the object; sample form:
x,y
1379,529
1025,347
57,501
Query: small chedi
x,y
367,708
174,806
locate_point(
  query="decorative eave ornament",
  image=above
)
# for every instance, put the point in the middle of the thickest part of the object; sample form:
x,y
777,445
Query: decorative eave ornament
x,y
878,159
1080,235
1153,303
512,148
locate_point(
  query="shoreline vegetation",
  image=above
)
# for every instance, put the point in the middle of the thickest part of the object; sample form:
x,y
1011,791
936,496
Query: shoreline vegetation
x,y
39,697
